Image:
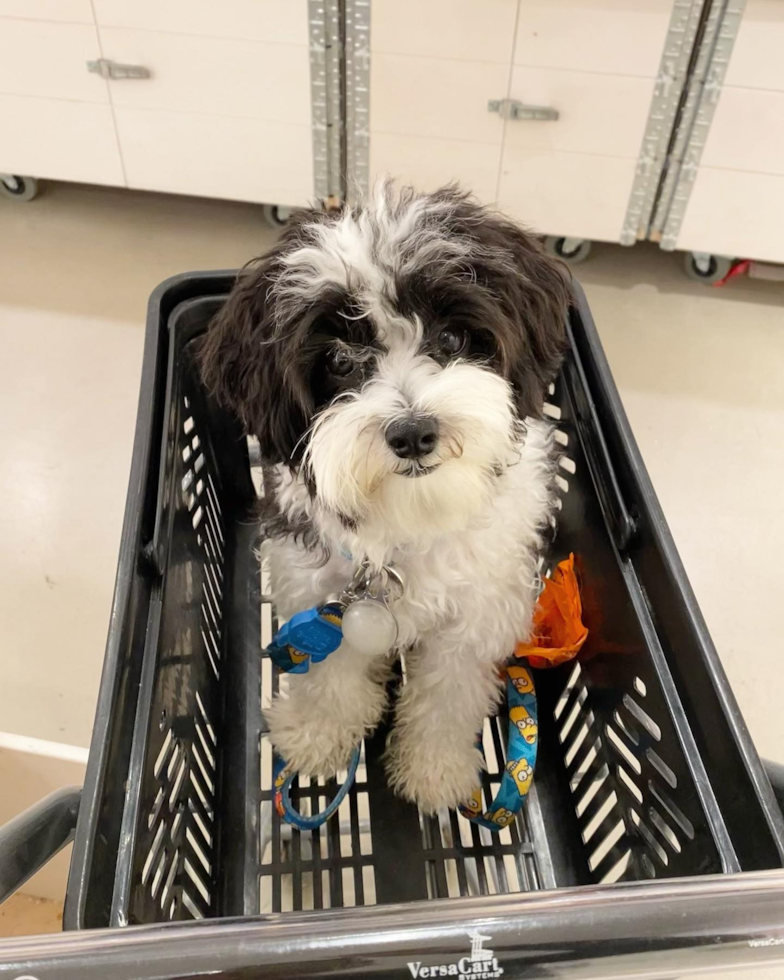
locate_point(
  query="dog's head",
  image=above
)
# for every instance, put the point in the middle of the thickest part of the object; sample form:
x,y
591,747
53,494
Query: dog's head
x,y
389,352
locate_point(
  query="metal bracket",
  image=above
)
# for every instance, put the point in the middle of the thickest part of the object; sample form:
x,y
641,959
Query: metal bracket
x,y
720,30
675,66
324,26
111,69
512,109
357,76
339,33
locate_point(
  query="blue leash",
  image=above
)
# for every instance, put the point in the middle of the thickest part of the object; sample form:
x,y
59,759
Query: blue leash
x,y
311,635
521,745
282,779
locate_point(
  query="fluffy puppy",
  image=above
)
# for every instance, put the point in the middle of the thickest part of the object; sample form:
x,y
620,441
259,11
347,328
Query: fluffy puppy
x,y
392,359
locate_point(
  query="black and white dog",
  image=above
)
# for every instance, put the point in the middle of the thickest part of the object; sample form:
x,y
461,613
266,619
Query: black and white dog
x,y
392,360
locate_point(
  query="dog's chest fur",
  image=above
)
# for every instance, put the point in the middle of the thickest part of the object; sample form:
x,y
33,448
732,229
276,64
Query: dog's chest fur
x,y
478,583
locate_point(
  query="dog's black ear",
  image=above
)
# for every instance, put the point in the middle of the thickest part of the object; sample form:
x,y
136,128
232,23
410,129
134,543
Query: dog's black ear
x,y
537,301
247,368
531,290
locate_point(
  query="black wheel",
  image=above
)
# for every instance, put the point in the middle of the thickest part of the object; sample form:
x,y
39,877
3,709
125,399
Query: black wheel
x,y
571,250
275,215
16,188
705,268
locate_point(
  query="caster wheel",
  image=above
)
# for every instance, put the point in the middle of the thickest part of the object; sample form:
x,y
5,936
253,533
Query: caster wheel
x,y
571,250
17,188
276,215
706,268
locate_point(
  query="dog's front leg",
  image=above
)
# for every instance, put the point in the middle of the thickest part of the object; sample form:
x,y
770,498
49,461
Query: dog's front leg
x,y
328,710
432,757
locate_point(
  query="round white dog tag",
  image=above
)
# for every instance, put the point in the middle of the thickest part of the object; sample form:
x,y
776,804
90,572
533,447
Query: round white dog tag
x,y
369,627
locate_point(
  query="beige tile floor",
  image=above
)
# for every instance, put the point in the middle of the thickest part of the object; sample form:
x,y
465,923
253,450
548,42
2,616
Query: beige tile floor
x,y
701,372
76,268
23,915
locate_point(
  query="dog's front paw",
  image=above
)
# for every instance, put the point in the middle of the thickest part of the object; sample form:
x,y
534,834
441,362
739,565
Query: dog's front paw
x,y
316,728
432,774
312,743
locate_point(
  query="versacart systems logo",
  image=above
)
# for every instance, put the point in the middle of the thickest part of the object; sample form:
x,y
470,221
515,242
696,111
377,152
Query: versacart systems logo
x,y
480,965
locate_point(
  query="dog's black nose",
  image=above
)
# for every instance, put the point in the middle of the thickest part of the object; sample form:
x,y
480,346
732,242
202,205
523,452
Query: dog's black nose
x,y
413,438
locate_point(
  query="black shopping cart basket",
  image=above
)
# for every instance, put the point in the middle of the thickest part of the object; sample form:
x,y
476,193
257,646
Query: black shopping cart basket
x,y
651,845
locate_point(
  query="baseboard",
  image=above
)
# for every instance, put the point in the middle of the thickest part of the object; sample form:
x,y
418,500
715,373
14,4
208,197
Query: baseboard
x,y
31,768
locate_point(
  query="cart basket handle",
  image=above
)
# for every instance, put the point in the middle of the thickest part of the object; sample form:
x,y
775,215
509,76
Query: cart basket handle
x,y
34,837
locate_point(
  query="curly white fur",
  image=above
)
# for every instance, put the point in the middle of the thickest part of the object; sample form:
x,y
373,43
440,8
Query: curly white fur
x,y
469,598
465,536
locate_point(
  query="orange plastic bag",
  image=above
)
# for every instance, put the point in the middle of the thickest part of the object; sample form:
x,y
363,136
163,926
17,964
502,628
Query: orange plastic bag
x,y
558,631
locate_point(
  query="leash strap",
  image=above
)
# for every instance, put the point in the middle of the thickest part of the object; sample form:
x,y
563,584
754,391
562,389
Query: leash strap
x,y
282,778
520,755
308,636
313,634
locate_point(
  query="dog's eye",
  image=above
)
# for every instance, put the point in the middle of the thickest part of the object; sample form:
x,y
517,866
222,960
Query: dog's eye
x,y
340,362
452,341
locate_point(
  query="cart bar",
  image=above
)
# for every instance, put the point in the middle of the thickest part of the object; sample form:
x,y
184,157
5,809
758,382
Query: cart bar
x,y
28,841
631,930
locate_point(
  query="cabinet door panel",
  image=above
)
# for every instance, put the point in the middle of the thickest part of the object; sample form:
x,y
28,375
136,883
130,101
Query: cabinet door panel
x,y
58,139
735,214
261,20
66,11
211,75
50,60
622,37
215,156
603,114
466,30
427,163
573,194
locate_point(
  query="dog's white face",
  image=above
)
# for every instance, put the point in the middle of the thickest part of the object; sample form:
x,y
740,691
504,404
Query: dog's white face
x,y
388,354
415,448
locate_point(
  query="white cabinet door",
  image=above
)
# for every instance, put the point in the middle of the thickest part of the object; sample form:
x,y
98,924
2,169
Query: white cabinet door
x,y
218,116
756,60
250,20
433,67
59,140
462,30
596,64
49,60
615,37
216,156
735,213
215,76
747,132
69,11
436,65
55,116
736,205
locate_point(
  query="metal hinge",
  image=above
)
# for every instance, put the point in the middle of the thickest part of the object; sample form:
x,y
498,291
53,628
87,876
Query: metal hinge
x,y
512,109
110,69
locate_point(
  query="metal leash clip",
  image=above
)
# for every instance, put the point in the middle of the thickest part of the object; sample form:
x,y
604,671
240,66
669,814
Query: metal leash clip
x,y
368,623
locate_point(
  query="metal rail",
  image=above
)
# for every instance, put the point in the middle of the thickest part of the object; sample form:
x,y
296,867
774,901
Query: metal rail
x,y
28,841
631,930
